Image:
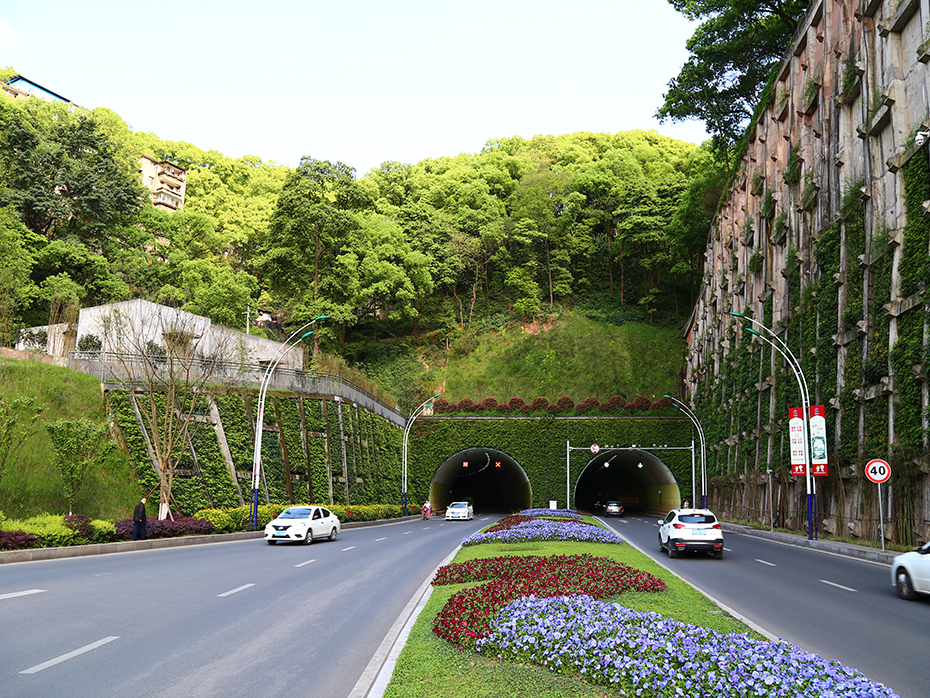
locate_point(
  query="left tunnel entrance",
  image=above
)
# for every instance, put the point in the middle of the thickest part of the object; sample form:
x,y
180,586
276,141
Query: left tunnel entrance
x,y
491,480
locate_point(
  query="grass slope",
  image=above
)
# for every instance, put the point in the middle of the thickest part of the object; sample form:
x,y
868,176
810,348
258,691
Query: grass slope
x,y
32,484
577,357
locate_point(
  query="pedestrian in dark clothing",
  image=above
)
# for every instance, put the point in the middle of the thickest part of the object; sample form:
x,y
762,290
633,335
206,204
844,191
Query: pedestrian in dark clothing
x,y
138,521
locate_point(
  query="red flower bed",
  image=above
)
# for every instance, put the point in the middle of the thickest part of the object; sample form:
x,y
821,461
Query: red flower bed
x,y
467,615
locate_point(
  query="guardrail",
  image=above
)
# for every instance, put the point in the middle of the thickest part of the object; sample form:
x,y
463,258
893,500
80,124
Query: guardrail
x,y
115,370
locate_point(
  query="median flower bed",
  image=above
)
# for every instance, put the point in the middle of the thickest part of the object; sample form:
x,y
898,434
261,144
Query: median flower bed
x,y
467,615
510,530
647,654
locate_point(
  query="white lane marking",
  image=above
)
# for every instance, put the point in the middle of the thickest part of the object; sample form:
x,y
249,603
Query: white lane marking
x,y
838,586
351,547
65,657
728,550
407,533
233,591
425,528
305,563
21,593
770,564
377,539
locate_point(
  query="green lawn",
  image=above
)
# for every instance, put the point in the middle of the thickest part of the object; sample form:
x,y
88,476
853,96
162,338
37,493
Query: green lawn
x,y
429,667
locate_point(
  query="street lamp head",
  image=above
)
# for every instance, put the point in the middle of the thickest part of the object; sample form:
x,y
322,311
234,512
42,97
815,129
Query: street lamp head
x,y
752,331
306,334
321,317
736,314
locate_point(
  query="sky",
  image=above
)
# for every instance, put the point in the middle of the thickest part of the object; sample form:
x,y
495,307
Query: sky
x,y
358,81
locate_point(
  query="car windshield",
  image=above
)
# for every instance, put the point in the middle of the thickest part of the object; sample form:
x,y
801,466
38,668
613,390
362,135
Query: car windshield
x,y
296,513
458,505
697,518
613,504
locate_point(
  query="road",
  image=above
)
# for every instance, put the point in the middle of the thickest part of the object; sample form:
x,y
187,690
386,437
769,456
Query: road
x,y
224,619
837,607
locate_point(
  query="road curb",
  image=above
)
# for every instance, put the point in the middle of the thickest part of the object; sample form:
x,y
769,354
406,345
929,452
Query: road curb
x,y
860,552
127,546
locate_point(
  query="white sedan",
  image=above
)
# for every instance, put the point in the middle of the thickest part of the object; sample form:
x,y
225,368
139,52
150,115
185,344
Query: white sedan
x,y
460,510
690,529
910,572
303,524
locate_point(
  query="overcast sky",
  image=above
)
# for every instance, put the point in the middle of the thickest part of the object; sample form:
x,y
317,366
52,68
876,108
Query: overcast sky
x,y
360,81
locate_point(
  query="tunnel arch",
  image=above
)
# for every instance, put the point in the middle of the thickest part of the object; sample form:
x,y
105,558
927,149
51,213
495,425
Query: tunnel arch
x,y
637,478
492,480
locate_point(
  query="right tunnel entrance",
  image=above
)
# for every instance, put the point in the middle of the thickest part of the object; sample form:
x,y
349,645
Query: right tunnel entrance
x,y
637,479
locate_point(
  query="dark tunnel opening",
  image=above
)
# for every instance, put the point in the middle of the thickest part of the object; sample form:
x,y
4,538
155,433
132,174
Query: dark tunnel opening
x,y
491,480
637,479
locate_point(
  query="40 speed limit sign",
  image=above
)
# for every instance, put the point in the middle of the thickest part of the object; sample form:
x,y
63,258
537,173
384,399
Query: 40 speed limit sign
x,y
878,471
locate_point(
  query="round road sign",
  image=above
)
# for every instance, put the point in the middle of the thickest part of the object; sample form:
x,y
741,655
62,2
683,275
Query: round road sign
x,y
595,448
877,470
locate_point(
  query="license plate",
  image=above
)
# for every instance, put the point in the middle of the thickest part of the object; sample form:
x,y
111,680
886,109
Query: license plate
x,y
280,534
697,531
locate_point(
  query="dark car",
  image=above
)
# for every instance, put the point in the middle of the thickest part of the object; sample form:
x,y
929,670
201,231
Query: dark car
x,y
613,509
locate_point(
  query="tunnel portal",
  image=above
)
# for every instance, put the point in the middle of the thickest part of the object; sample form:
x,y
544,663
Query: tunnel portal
x,y
636,478
491,480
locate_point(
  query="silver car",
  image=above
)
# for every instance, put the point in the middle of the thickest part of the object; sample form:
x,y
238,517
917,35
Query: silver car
x,y
690,529
910,572
303,524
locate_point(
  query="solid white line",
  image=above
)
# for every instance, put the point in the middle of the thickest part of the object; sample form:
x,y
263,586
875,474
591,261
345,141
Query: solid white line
x,y
838,586
351,547
770,564
377,539
65,657
21,593
304,563
233,591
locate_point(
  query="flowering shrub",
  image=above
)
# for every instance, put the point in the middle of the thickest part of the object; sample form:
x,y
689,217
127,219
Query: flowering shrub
x,y
467,615
563,513
181,526
607,643
16,540
545,529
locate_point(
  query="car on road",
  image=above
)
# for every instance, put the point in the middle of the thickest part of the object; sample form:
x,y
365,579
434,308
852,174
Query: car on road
x,y
460,510
303,524
690,529
613,509
910,572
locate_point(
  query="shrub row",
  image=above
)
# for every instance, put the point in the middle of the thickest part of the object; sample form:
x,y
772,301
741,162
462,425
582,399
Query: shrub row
x,y
615,405
53,531
240,518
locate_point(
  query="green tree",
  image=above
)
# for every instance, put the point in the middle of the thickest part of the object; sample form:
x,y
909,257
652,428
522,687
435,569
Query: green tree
x,y
17,243
732,53
79,445
18,423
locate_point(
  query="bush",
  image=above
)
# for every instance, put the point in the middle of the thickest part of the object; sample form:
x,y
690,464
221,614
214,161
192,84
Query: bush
x,y
565,404
181,526
539,403
102,531
440,405
16,540
642,402
605,407
503,407
489,403
49,530
516,403
80,524
466,404
222,521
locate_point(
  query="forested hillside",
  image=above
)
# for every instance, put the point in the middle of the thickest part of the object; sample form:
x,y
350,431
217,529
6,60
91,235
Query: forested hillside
x,y
410,255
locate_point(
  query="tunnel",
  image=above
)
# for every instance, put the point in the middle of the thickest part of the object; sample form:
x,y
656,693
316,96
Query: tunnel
x,y
636,478
491,480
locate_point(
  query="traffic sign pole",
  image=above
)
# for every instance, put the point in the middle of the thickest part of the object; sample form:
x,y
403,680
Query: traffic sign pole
x,y
878,471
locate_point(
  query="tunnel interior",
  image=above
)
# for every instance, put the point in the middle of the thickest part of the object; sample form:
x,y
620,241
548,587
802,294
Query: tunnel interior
x,y
636,478
491,480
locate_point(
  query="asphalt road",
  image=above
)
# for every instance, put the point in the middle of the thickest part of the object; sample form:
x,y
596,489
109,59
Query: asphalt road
x,y
225,619
834,606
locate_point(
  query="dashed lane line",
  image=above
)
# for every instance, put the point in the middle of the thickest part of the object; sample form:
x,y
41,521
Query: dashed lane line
x,y
380,539
351,547
14,594
233,591
304,563
838,586
70,655
765,562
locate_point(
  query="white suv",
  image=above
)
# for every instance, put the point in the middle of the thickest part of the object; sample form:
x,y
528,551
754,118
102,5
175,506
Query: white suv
x,y
910,572
690,529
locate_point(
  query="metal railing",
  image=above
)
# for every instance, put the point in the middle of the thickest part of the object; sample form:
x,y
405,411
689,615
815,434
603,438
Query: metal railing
x,y
115,369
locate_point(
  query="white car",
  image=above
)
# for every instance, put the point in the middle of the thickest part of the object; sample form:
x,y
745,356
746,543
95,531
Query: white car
x,y
690,529
460,510
910,572
303,524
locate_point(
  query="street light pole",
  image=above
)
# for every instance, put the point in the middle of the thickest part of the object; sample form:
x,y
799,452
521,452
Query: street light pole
x,y
259,421
687,410
416,413
779,345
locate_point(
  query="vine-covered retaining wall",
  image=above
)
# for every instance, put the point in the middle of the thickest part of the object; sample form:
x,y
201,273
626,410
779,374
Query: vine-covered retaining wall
x,y
824,239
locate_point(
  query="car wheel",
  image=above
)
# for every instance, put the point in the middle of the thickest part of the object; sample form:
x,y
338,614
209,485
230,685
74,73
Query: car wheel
x,y
272,542
672,550
333,534
661,547
309,537
718,554
903,583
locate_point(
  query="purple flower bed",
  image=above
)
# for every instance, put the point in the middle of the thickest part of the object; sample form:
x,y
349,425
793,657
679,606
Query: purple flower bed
x,y
647,653
545,529
561,513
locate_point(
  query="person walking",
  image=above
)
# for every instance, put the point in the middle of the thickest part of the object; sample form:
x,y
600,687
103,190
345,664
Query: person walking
x,y
138,520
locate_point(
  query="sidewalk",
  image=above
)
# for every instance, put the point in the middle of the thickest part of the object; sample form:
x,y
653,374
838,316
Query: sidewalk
x,y
862,552
125,546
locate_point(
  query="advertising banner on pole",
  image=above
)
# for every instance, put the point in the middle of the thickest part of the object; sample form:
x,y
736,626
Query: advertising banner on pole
x,y
796,440
818,424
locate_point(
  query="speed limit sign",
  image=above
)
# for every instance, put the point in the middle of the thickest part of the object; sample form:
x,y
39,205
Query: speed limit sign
x,y
878,471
